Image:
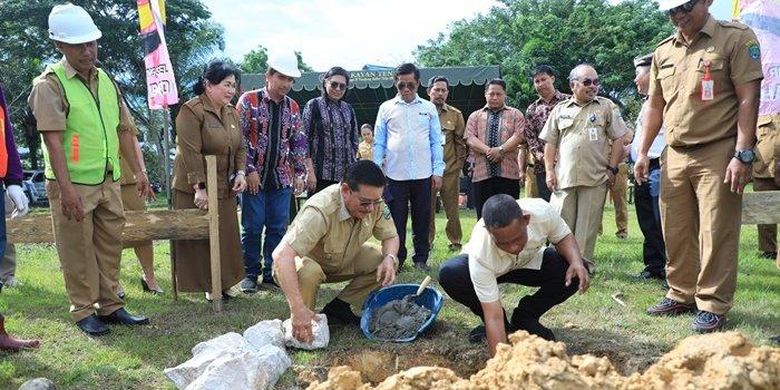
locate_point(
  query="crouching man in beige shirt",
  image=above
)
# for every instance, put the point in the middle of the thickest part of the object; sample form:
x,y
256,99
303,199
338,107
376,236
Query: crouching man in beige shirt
x,y
508,245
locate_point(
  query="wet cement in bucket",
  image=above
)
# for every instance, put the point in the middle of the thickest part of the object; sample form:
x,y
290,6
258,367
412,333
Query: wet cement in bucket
x,y
397,320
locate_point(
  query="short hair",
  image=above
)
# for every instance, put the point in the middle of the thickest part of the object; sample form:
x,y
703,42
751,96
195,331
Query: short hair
x,y
215,71
643,60
335,71
436,79
407,68
496,81
364,172
576,70
500,210
543,69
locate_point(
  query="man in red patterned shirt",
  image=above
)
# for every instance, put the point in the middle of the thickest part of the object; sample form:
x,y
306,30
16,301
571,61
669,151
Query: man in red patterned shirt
x,y
535,116
493,134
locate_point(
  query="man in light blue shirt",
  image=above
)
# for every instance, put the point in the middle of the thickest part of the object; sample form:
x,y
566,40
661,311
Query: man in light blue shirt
x,y
407,144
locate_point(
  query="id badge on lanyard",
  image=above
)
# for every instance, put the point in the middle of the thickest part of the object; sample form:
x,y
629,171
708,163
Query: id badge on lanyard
x,y
707,84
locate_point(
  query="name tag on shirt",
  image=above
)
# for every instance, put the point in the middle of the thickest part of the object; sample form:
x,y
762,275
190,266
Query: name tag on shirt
x,y
593,134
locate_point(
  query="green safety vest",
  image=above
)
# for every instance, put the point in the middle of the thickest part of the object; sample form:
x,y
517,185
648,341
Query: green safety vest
x,y
91,140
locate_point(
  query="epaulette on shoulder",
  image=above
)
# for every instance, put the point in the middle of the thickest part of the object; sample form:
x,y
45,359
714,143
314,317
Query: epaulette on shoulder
x,y
667,39
738,25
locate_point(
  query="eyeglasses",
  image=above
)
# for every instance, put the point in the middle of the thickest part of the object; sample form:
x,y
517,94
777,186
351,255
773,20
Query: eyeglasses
x,y
589,82
229,85
338,86
409,85
687,7
369,202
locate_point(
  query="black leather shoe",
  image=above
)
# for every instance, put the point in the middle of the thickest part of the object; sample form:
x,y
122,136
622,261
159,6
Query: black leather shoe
x,y
93,326
533,326
478,334
340,311
122,317
647,275
422,267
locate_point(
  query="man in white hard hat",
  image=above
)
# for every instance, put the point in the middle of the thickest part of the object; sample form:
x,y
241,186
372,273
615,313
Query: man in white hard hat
x,y
275,167
704,88
83,122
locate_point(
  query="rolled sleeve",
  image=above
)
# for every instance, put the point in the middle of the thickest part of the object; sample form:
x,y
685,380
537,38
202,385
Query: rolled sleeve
x,y
437,152
306,231
190,142
380,136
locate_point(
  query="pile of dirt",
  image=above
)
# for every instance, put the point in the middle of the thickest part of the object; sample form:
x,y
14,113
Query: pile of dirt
x,y
720,360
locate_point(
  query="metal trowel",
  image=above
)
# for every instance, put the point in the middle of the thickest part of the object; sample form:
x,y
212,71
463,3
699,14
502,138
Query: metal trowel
x,y
423,285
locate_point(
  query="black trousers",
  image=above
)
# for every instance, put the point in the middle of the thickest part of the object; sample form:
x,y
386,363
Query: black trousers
x,y
398,196
483,190
454,278
321,185
541,183
653,248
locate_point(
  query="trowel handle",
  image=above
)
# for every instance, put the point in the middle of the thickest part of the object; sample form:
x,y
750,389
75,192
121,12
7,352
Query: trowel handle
x,y
423,285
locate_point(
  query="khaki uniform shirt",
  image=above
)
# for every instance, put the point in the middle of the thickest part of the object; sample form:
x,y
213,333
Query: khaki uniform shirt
x,y
487,261
50,107
453,127
676,74
325,232
202,129
581,134
767,146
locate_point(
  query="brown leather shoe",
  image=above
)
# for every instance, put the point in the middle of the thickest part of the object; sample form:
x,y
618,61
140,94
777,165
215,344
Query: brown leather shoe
x,y
670,307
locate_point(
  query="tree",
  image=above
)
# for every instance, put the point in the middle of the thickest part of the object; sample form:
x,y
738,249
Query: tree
x,y
25,50
256,61
521,34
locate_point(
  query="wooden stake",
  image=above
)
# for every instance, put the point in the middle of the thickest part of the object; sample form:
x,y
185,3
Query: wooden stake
x,y
216,263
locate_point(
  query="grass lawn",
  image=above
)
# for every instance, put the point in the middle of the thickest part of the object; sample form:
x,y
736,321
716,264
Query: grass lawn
x,y
133,358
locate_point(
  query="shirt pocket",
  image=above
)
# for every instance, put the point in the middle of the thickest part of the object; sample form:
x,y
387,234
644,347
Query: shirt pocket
x,y
333,253
668,82
718,72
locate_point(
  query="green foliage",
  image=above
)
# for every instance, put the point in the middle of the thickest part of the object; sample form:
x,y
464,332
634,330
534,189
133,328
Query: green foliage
x,y
25,49
521,34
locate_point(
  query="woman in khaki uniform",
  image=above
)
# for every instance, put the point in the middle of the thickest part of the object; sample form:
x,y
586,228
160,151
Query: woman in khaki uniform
x,y
208,125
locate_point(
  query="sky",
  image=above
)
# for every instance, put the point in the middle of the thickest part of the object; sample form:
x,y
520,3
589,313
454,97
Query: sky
x,y
349,33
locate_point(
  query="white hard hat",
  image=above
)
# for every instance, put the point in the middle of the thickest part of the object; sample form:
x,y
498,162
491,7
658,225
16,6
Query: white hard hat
x,y
71,24
284,62
665,5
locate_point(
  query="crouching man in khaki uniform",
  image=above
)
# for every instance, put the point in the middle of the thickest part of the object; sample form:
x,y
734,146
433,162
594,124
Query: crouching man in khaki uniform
x,y
326,243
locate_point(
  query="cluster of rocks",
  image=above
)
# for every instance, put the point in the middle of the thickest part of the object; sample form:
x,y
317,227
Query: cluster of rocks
x,y
714,361
254,360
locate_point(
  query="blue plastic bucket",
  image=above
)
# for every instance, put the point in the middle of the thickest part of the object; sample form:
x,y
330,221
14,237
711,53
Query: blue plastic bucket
x,y
429,298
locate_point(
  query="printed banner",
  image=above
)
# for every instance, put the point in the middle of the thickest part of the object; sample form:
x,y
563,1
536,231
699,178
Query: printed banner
x,y
763,16
160,81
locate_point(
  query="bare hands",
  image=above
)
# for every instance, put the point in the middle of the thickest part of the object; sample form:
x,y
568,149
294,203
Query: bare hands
x,y
253,182
385,273
301,324
738,175
144,188
436,182
311,182
641,168
239,183
578,271
72,205
552,181
494,155
298,186
201,199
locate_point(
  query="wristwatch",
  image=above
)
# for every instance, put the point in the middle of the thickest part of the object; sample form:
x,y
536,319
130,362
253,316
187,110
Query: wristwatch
x,y
746,156
614,170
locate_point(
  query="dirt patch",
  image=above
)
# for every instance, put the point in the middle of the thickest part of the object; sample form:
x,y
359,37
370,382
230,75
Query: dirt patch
x,y
722,361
